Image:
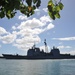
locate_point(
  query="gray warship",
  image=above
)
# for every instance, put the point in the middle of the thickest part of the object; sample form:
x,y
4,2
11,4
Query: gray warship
x,y
36,53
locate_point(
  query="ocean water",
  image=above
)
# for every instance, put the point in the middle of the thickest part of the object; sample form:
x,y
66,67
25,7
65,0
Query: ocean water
x,y
37,67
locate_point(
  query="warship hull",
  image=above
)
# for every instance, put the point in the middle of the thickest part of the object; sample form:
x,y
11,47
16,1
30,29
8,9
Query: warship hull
x,y
9,56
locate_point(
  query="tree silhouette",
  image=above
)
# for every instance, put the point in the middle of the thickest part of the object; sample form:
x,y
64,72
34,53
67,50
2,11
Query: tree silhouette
x,y
9,8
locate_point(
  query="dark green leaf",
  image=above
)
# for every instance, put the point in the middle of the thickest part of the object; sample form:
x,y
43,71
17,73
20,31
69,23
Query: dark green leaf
x,y
50,8
34,7
29,2
38,3
61,5
57,8
34,1
57,15
12,15
50,3
17,4
2,14
51,15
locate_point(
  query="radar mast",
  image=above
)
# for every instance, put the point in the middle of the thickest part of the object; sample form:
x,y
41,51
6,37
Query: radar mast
x,y
46,48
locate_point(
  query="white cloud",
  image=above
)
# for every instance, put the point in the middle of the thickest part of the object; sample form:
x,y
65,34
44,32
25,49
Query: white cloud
x,y
34,26
45,9
27,42
7,39
36,23
68,46
62,47
21,46
2,31
28,39
38,30
31,24
65,39
37,10
72,52
24,36
29,31
22,17
13,27
50,26
45,19
66,50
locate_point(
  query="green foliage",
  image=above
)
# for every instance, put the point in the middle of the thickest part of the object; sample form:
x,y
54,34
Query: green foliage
x,y
9,8
54,9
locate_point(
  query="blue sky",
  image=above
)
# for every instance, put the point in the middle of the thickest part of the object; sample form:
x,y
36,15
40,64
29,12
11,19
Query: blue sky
x,y
20,33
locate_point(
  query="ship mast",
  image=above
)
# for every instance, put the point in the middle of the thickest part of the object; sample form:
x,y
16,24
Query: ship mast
x,y
46,48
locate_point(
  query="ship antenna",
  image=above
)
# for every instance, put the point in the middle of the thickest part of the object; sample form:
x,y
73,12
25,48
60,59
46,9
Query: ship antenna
x,y
46,49
45,43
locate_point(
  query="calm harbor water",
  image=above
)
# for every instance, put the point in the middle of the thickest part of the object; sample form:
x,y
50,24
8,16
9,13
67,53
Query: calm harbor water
x,y
37,67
